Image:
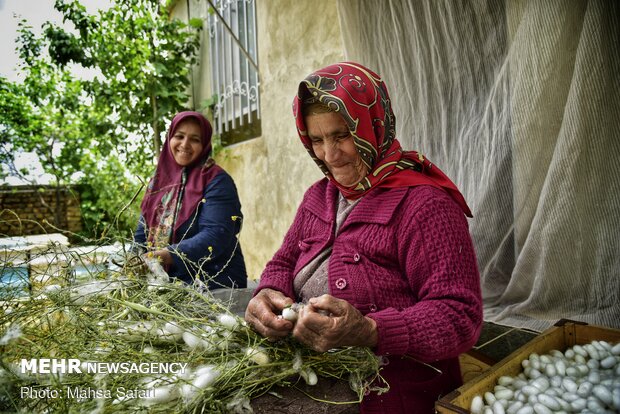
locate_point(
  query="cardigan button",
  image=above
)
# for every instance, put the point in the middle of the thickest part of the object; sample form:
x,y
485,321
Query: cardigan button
x,y
341,283
299,244
356,257
373,307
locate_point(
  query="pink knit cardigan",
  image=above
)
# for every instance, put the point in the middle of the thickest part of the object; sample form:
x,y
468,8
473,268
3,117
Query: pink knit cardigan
x,y
404,258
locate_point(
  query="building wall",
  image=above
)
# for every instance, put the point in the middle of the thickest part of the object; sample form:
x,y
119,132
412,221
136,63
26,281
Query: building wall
x,y
25,209
273,171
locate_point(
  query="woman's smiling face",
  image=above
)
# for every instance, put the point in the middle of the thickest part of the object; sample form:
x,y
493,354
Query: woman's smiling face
x,y
333,144
186,143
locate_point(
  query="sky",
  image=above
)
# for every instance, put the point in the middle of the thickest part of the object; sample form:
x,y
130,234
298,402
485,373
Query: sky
x,y
36,12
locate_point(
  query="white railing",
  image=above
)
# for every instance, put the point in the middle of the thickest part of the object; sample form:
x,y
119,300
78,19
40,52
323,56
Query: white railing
x,y
233,48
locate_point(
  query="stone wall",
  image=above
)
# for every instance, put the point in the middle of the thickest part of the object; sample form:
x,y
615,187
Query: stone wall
x,y
26,210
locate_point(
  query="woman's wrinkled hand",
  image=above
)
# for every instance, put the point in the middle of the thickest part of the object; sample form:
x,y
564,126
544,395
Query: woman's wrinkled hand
x,y
327,322
262,314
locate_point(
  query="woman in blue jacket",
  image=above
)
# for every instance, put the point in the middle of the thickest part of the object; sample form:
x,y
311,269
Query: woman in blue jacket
x,y
191,214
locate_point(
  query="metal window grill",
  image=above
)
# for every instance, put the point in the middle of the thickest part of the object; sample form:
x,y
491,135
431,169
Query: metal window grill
x,y
233,48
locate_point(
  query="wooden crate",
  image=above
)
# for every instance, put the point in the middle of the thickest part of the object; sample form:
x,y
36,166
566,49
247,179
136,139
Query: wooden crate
x,y
561,336
472,364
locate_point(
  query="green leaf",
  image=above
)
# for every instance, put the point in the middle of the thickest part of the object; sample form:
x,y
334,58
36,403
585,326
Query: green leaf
x,y
196,23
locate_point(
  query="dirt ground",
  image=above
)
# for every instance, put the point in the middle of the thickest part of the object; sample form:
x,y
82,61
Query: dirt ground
x,y
293,400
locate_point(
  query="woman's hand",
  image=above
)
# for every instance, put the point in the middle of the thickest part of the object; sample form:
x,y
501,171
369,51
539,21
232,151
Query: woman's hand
x,y
261,314
327,322
163,256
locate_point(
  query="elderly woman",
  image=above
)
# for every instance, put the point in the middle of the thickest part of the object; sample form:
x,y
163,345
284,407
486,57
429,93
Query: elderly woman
x,y
191,213
379,250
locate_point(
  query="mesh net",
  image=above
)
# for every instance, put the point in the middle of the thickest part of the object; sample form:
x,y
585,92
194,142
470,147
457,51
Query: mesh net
x,y
518,102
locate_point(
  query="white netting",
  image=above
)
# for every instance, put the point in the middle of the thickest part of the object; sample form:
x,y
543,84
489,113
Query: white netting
x,y
519,103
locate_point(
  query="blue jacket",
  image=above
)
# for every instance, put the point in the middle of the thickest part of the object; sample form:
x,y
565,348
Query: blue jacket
x,y
213,227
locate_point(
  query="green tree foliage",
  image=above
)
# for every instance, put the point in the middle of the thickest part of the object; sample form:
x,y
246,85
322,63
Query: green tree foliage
x,y
102,133
15,112
43,115
145,60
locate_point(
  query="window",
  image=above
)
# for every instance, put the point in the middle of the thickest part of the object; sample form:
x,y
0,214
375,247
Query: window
x,y
234,70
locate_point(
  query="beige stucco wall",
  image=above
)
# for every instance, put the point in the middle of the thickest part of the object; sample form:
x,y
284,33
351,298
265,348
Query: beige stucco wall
x,y
273,171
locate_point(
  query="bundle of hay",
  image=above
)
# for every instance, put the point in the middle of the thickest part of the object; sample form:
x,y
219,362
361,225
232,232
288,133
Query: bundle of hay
x,y
130,342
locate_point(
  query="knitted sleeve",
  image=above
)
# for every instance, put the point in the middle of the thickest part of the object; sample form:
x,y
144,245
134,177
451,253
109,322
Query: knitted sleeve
x,y
437,258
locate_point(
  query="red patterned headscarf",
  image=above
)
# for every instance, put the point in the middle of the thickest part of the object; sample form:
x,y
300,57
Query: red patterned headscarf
x,y
167,180
361,98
